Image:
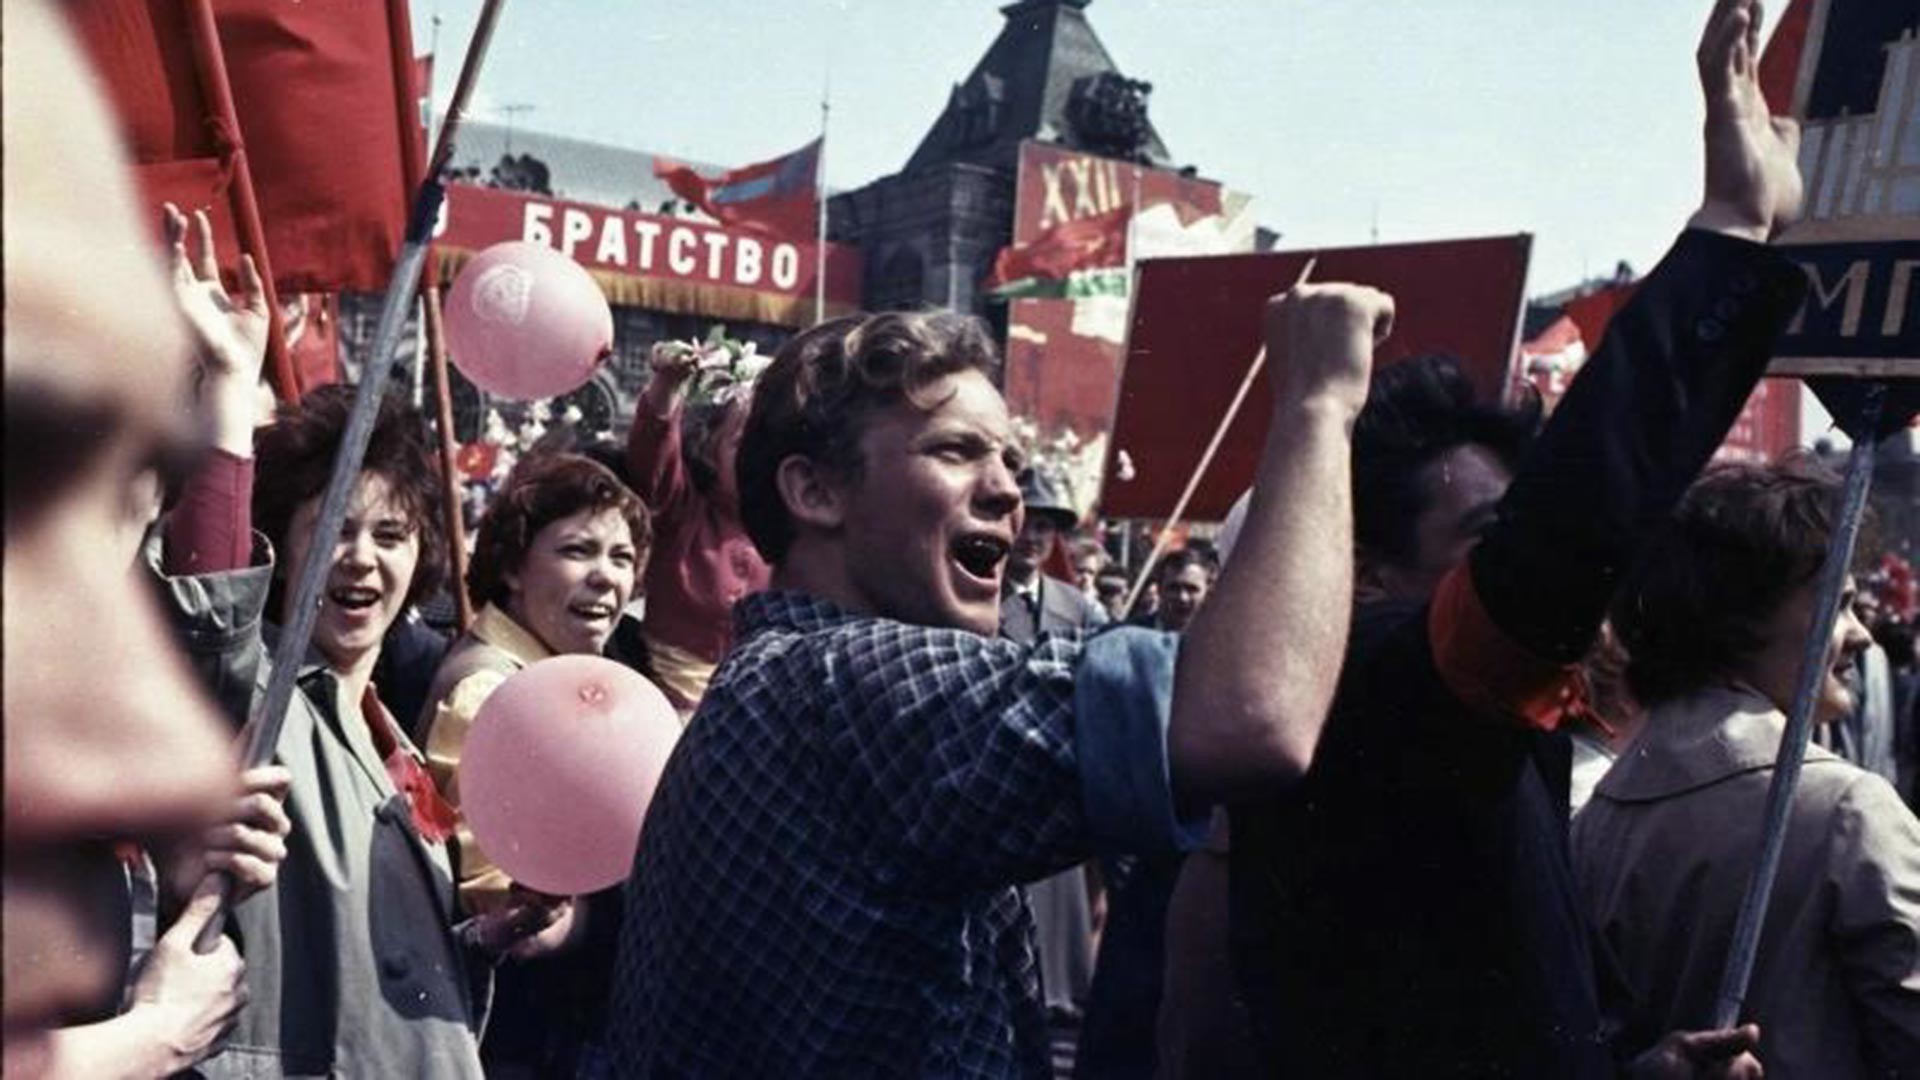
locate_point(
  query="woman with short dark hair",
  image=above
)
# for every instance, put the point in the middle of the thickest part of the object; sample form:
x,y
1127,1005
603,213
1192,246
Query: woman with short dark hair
x,y
554,564
1715,621
352,964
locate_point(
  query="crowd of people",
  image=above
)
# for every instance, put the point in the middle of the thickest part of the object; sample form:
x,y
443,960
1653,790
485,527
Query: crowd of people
x,y
1447,757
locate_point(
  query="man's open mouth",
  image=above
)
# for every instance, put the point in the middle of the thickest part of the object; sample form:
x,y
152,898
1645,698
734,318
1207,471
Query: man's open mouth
x,y
592,610
980,554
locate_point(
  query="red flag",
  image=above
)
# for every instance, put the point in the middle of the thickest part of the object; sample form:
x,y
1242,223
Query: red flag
x,y
313,338
324,104
1780,60
476,460
778,197
1090,243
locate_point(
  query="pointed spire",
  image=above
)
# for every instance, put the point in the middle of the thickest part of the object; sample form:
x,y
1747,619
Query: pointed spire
x,y
1045,57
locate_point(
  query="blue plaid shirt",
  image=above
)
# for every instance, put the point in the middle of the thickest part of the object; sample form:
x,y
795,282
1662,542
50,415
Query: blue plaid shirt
x,y
826,881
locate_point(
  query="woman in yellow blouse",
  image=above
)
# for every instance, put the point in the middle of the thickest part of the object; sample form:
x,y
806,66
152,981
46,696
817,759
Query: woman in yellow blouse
x,y
554,565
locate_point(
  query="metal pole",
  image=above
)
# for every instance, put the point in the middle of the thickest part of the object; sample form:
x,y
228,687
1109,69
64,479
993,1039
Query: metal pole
x,y
1793,744
264,730
820,196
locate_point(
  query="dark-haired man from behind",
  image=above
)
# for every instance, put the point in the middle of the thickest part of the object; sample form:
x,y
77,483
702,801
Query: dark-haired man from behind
x,y
1409,908
828,883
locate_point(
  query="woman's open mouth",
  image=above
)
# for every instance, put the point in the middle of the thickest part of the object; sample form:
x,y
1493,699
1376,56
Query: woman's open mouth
x,y
356,599
593,611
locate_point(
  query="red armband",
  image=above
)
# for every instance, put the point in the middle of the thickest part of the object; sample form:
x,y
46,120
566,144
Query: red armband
x,y
1491,673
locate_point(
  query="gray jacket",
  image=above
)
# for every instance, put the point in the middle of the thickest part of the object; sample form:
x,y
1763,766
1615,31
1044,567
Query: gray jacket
x,y
352,969
1663,852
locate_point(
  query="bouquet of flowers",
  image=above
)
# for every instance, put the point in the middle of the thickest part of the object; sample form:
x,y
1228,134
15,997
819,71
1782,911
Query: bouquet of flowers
x,y
724,368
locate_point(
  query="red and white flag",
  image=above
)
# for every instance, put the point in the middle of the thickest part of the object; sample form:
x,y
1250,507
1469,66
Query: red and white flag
x,y
1047,265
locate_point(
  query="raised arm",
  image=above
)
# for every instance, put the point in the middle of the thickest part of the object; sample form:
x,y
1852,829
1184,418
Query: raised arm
x,y
210,530
653,443
1260,662
1665,385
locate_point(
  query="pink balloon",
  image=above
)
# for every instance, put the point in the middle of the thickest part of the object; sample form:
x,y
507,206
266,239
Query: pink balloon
x,y
558,770
526,322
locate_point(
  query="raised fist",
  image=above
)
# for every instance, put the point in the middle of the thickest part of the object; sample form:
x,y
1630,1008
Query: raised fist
x,y
1320,341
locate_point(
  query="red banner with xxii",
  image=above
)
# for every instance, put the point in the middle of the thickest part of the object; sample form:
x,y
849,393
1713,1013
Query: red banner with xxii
x,y
1063,356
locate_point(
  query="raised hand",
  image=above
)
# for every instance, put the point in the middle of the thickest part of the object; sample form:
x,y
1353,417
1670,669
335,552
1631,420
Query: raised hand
x,y
674,360
1320,341
233,334
1753,184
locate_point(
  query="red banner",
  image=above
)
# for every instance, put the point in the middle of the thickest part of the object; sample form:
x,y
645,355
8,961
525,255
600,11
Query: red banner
x,y
1063,356
1196,329
324,113
660,263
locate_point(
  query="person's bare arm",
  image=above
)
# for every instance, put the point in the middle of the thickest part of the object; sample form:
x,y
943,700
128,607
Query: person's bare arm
x,y
1260,662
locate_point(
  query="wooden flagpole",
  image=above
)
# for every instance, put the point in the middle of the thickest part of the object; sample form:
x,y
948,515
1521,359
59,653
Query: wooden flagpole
x,y
433,325
1206,459
211,66
432,322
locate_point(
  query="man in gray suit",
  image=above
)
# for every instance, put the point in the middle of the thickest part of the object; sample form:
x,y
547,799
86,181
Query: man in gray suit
x,y
1031,603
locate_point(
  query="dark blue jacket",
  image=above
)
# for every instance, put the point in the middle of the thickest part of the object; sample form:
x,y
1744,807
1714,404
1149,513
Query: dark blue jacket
x,y
1408,909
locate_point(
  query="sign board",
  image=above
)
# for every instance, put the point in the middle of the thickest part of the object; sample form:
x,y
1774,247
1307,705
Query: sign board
x,y
660,263
1856,90
1196,329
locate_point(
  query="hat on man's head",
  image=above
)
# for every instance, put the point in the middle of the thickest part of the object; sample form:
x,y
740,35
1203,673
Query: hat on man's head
x,y
1045,494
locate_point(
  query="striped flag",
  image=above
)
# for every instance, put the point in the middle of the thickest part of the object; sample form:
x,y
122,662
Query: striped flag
x,y
778,197
1086,257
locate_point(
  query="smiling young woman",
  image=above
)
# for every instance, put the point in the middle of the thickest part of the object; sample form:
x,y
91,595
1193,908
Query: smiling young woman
x,y
555,561
352,962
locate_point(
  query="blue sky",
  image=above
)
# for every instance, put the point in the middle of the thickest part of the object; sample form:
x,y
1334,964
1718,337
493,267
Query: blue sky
x,y
1575,121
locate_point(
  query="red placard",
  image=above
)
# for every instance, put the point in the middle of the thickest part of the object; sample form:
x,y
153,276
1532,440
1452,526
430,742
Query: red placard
x,y
1196,329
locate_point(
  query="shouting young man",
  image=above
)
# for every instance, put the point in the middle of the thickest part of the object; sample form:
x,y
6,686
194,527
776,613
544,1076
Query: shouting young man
x,y
828,881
